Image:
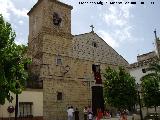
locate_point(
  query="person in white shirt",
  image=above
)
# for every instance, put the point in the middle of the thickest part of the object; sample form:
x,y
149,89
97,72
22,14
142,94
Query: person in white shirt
x,y
70,112
90,116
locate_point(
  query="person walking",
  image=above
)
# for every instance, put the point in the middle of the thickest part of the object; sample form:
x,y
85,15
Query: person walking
x,y
89,109
70,112
99,114
90,116
85,112
76,113
123,116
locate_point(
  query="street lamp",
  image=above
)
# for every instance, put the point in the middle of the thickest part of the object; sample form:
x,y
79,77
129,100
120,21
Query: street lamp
x,y
16,106
139,100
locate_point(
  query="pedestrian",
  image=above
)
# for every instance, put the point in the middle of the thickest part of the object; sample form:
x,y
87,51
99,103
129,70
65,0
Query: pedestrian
x,y
127,111
70,112
107,114
99,114
76,113
90,116
85,112
123,116
89,109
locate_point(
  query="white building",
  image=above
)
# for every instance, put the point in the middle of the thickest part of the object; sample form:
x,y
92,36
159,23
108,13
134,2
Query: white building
x,y
30,105
138,69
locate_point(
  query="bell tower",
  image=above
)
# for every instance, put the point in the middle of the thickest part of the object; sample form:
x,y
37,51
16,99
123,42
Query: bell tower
x,y
49,32
50,17
52,14
57,16
50,47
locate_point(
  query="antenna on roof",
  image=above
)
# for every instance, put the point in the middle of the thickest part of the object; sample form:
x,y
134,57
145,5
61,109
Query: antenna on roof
x,y
156,43
155,34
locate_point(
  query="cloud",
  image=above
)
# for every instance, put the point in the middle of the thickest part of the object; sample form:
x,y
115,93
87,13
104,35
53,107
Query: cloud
x,y
117,15
7,8
20,22
108,38
113,15
20,41
124,34
4,9
117,19
20,12
32,1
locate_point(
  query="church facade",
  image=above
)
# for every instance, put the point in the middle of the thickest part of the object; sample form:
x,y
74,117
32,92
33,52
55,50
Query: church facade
x,y
63,63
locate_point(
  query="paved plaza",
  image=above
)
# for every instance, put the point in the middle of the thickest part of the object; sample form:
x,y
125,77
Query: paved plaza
x,y
117,118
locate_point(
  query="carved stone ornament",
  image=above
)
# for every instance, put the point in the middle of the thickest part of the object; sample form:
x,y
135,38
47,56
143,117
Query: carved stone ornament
x,y
65,69
56,19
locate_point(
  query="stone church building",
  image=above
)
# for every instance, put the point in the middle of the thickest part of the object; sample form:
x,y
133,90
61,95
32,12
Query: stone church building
x,y
62,62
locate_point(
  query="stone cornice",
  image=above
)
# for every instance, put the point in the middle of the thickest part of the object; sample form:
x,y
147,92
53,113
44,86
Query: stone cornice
x,y
49,31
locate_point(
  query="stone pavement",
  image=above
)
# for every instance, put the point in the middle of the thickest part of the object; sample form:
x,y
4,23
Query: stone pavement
x,y
117,118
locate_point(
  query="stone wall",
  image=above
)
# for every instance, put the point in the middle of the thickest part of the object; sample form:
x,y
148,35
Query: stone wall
x,y
56,80
91,47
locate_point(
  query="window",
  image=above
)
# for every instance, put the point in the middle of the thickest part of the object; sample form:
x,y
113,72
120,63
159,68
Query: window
x,y
94,44
144,70
58,60
59,95
25,109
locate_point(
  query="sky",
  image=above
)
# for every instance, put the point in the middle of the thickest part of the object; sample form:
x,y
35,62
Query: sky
x,y
128,28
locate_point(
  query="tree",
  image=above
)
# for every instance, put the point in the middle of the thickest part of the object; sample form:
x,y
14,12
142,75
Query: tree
x,y
151,85
12,63
119,89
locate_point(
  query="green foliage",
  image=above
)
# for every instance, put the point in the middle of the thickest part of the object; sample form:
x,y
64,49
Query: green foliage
x,y
12,63
119,88
150,86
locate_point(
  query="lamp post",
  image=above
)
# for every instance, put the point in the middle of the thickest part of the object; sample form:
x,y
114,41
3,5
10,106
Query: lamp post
x,y
139,100
16,106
